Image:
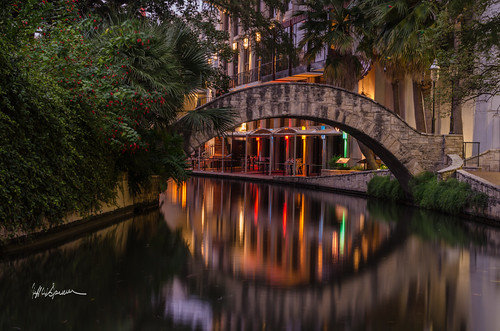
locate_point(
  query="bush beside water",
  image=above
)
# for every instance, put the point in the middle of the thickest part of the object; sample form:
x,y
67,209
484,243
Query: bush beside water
x,y
383,187
450,196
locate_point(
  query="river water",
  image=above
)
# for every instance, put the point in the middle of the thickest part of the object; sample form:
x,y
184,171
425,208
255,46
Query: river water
x,y
230,255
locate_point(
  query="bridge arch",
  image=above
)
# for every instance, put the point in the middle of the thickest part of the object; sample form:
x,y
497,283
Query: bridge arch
x,y
404,150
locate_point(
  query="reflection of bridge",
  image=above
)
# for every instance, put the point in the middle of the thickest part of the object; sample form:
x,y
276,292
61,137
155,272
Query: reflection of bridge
x,y
319,280
279,236
385,296
404,150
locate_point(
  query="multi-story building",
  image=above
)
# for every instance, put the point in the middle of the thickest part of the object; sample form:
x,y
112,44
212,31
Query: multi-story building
x,y
259,139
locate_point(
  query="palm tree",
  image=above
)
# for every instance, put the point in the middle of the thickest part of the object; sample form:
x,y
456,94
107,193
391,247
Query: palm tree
x,y
398,28
167,66
340,27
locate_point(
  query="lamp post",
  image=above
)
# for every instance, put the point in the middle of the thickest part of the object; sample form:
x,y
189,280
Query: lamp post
x,y
273,56
259,60
434,77
453,101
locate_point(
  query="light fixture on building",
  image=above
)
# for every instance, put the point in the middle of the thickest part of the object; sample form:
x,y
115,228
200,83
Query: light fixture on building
x,y
257,37
245,43
235,46
434,77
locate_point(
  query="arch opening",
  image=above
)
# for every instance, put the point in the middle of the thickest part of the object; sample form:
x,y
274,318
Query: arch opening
x,y
397,168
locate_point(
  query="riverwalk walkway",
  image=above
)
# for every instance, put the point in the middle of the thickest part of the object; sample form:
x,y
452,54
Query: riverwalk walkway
x,y
491,176
240,175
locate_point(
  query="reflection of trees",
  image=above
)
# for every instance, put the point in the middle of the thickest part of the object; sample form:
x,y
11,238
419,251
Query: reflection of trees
x,y
119,270
451,230
427,224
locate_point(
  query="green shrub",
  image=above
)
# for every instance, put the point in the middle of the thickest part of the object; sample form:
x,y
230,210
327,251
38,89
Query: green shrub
x,y
332,163
450,196
358,168
52,159
383,187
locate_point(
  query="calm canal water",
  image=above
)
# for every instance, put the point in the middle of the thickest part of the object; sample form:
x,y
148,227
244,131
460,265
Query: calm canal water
x,y
228,255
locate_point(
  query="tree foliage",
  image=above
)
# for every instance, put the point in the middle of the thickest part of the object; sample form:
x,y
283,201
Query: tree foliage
x,y
51,158
86,97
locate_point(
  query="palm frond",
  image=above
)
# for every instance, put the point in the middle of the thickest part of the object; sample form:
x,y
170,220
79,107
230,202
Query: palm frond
x,y
213,120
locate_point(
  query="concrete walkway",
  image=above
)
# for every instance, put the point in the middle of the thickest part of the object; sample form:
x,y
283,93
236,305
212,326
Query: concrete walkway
x,y
491,176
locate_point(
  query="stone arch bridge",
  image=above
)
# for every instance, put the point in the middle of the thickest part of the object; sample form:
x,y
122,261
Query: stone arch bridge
x,y
404,150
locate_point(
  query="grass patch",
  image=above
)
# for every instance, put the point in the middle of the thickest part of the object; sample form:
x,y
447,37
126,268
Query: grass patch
x,y
449,196
383,187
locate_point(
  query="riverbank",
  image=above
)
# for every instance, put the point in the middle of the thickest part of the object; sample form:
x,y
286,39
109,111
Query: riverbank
x,y
351,183
125,206
355,183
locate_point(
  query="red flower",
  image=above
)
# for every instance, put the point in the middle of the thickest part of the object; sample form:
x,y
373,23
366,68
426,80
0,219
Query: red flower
x,y
139,40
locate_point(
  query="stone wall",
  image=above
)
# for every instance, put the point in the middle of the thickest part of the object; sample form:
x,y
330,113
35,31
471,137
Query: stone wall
x,y
353,182
488,161
480,185
455,163
123,199
124,205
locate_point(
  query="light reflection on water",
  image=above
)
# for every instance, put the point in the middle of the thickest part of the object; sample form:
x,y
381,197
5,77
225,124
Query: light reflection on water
x,y
292,259
280,237
251,256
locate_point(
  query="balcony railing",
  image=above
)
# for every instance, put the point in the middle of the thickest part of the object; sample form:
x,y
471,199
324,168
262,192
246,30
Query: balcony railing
x,y
264,72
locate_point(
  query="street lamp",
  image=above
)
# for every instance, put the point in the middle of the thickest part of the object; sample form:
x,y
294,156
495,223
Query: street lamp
x,y
245,43
259,60
273,56
453,101
434,77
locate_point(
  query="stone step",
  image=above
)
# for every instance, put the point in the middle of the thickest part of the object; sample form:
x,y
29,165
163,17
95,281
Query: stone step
x,y
471,168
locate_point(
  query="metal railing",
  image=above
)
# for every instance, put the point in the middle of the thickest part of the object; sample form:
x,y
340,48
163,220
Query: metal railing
x,y
265,70
228,164
471,154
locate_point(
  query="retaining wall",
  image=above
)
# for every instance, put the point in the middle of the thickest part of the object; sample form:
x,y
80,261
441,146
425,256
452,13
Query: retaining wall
x,y
488,161
480,185
124,206
354,182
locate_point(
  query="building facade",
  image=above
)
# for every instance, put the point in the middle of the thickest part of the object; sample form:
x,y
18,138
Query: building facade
x,y
409,97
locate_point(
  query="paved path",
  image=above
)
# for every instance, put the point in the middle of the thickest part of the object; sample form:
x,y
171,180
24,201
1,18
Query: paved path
x,y
491,176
